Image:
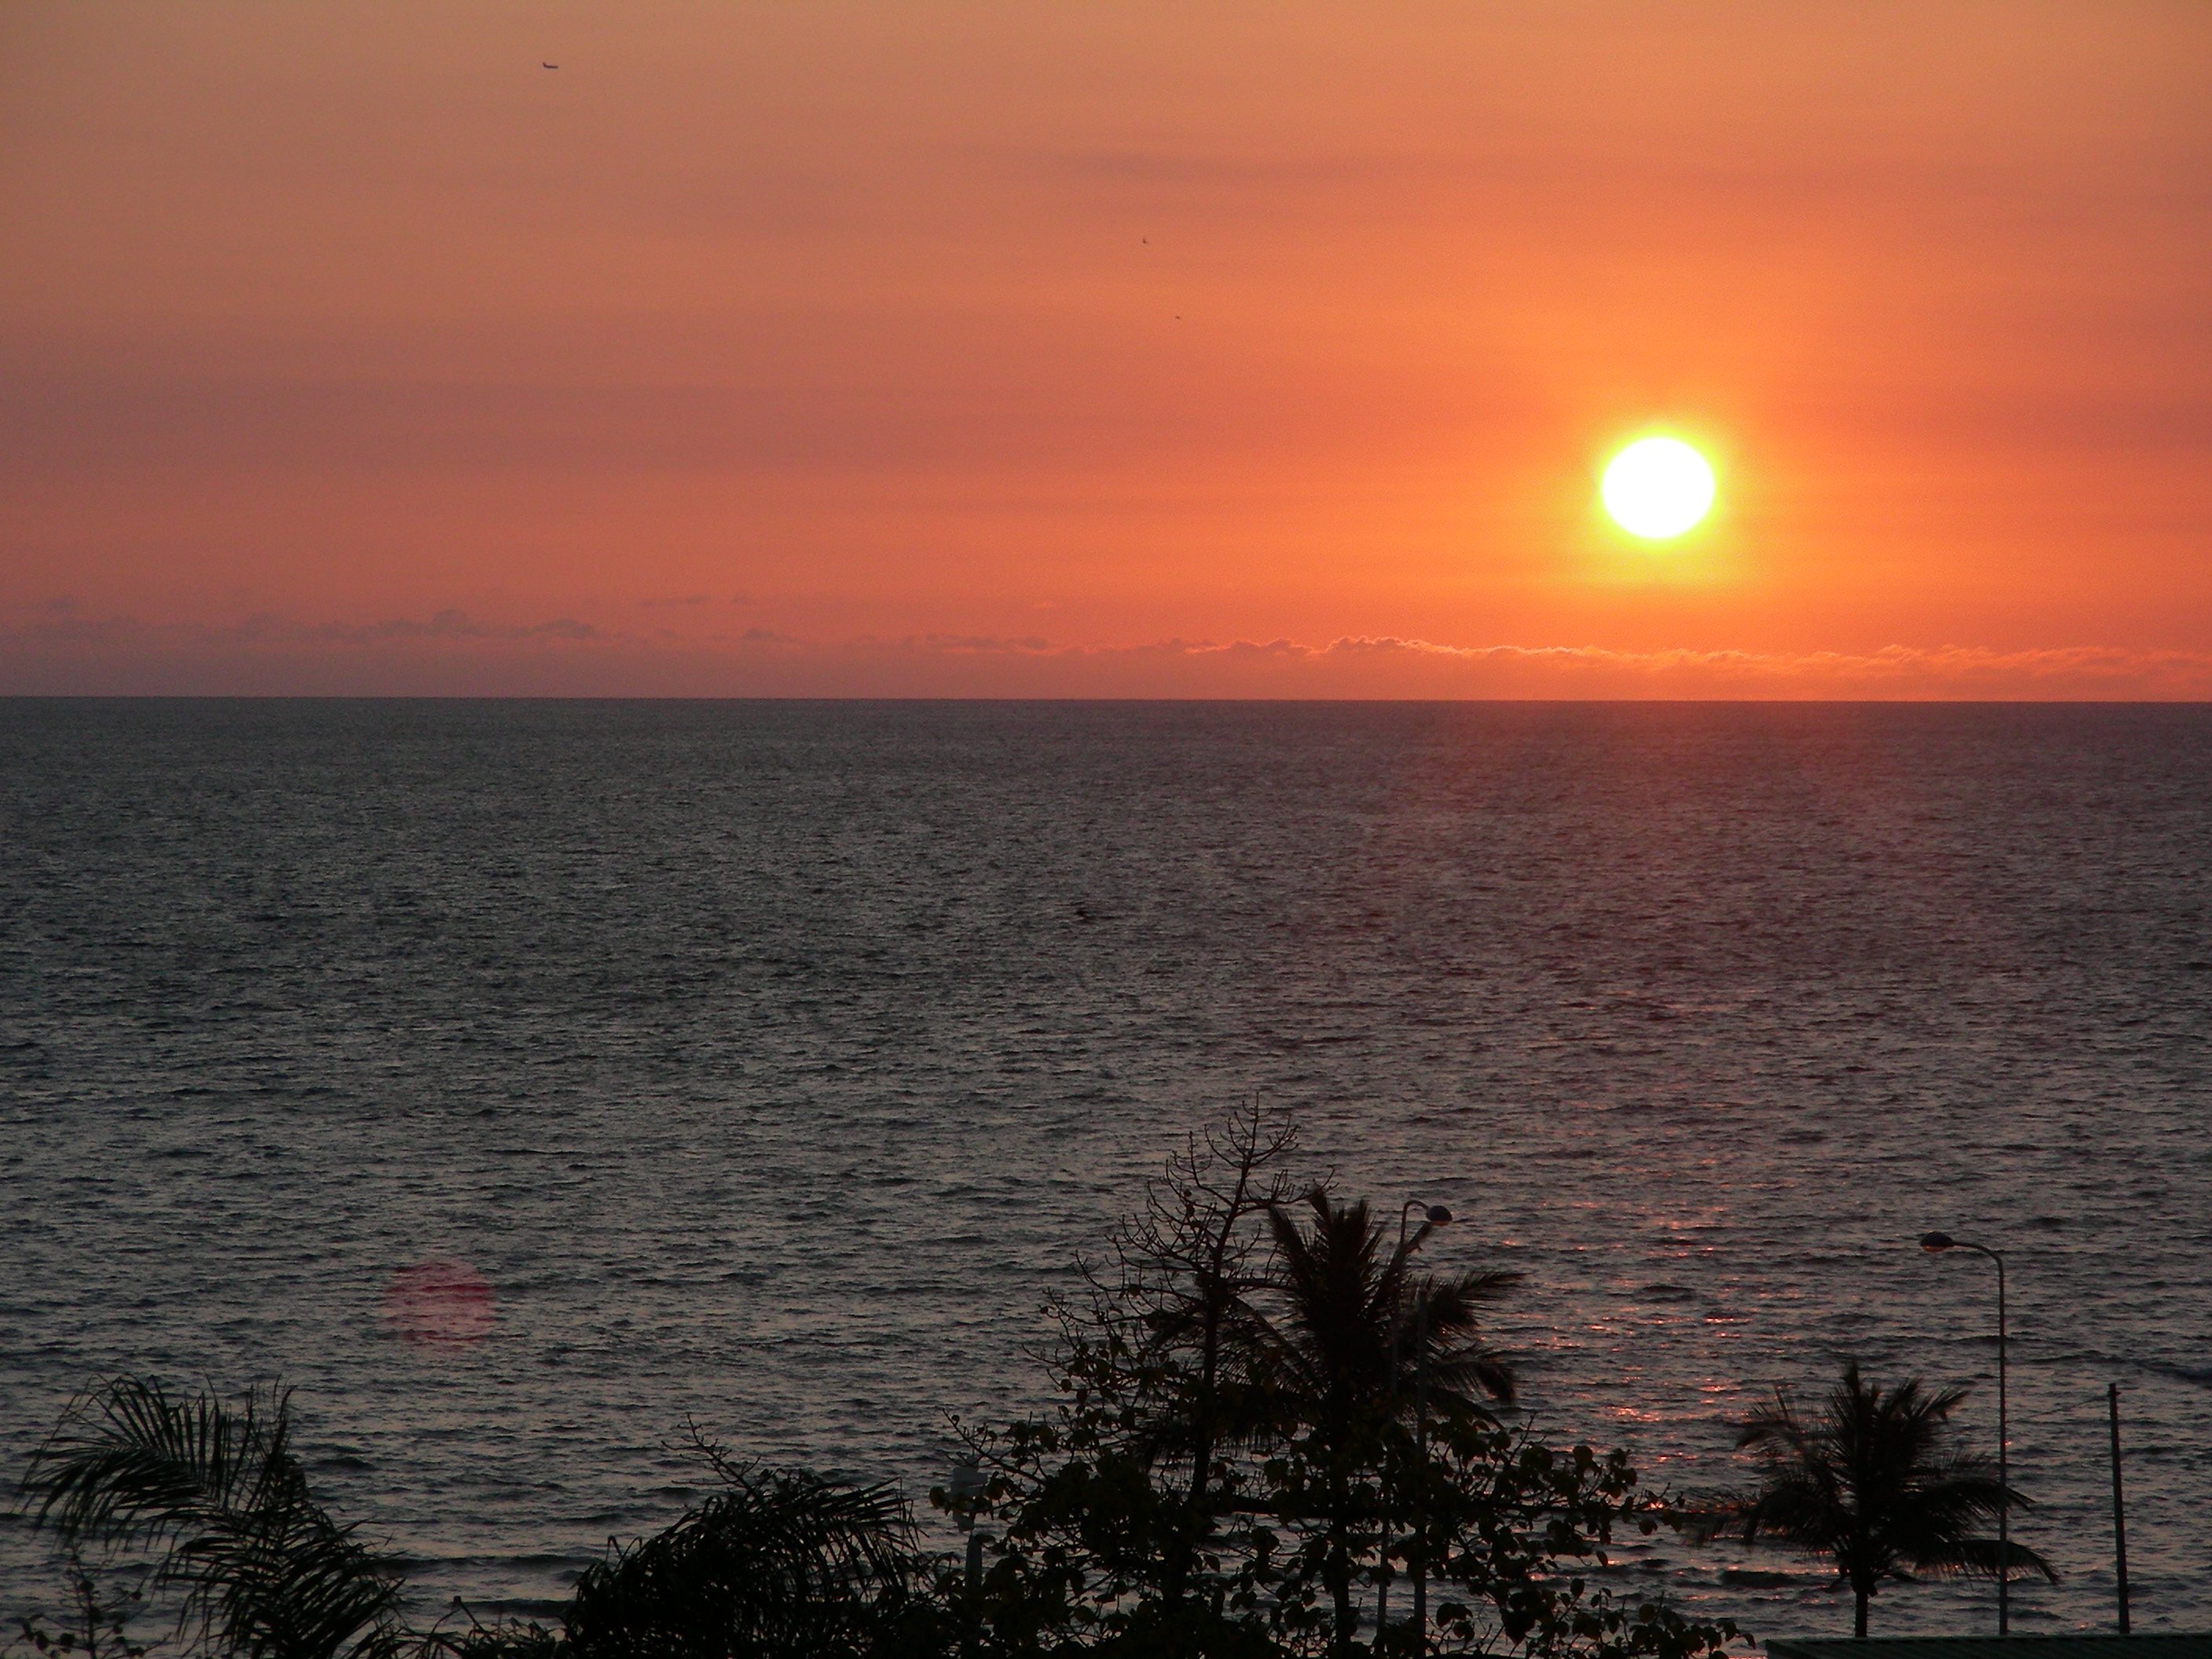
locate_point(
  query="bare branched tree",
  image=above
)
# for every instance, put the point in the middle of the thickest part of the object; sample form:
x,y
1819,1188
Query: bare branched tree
x,y
1188,1266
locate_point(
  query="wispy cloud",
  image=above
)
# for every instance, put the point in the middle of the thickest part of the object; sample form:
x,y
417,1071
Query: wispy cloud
x,y
60,649
444,625
1894,663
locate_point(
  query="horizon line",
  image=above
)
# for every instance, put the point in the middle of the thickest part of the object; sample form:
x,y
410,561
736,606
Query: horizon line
x,y
1898,702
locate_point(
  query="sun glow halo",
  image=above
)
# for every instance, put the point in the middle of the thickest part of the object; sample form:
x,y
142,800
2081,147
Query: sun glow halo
x,y
1657,488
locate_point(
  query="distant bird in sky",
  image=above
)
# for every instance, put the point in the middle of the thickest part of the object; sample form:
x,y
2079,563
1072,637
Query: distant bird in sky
x,y
545,65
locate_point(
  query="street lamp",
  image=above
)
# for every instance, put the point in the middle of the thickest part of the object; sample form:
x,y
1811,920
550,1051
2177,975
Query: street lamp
x,y
1433,1215
1935,1243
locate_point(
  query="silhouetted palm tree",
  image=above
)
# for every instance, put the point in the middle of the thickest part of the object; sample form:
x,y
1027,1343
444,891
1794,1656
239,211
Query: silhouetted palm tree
x,y
1869,1485
1345,1348
780,1564
218,1494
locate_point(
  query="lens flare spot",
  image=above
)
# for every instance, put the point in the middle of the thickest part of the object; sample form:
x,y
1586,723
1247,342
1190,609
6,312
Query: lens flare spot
x,y
438,1304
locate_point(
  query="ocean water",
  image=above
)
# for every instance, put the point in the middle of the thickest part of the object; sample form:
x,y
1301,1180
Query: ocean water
x,y
768,1064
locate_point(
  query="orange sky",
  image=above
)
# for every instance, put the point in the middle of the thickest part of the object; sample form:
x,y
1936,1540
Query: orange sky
x,y
1020,349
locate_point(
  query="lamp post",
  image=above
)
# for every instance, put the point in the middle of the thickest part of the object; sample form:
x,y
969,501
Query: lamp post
x,y
1935,1243
1433,1215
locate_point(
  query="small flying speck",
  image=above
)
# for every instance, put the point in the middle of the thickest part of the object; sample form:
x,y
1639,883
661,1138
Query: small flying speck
x,y
546,65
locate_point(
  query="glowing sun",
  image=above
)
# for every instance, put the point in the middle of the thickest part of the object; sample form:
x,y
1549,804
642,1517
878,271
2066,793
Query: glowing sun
x,y
1657,488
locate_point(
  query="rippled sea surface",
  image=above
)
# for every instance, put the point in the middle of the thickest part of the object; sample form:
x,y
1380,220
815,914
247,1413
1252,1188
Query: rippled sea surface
x,y
770,1063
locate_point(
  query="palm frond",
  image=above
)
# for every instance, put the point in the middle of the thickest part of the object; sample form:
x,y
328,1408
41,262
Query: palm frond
x,y
284,1579
1459,1365
265,1572
130,1462
1870,1485
781,1563
1985,1557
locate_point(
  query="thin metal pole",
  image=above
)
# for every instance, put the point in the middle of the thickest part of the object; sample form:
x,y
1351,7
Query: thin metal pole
x,y
2004,1468
1383,1542
1937,1242
1397,1325
2119,1510
971,1641
1420,1473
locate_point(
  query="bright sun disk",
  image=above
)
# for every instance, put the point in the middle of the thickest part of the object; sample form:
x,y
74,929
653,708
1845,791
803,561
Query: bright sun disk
x,y
1657,488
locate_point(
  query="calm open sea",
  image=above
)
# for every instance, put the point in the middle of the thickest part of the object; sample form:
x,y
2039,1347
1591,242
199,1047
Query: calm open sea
x,y
769,1062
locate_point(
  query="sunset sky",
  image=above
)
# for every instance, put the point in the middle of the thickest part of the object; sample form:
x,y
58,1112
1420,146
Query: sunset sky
x,y
1053,350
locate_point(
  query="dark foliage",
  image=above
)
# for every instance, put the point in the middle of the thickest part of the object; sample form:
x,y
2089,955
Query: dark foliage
x,y
1123,1521
1356,1341
98,1625
1268,1416
779,1563
1870,1486
1301,1348
215,1493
